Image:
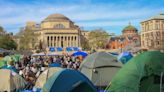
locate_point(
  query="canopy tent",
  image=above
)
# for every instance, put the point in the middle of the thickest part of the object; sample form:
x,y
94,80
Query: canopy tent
x,y
100,67
44,76
80,53
141,74
125,57
67,80
10,81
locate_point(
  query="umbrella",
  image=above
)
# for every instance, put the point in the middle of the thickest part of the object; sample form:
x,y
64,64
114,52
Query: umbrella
x,y
125,57
80,53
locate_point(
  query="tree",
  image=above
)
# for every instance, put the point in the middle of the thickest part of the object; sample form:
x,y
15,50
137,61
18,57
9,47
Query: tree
x,y
98,38
85,44
7,42
27,38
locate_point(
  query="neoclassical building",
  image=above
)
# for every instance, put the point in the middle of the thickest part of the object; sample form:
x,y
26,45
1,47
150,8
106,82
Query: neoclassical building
x,y
152,34
57,31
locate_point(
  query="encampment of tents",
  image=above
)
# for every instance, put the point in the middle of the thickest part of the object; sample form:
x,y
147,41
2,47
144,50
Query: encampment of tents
x,y
143,73
100,67
67,80
10,81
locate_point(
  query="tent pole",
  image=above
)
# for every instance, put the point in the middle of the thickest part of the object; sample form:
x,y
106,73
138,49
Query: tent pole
x,y
161,82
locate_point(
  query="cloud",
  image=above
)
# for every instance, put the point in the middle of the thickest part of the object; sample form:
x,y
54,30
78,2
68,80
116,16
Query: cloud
x,y
85,13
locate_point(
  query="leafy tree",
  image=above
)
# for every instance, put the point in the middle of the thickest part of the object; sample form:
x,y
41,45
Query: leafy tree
x,y
98,38
28,39
85,44
7,42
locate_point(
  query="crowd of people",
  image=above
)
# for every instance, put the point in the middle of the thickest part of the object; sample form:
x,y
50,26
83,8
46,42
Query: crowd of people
x,y
31,67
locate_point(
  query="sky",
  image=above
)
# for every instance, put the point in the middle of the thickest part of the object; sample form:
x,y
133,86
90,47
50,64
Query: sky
x,y
110,15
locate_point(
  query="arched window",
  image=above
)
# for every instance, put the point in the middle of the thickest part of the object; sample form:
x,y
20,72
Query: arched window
x,y
59,26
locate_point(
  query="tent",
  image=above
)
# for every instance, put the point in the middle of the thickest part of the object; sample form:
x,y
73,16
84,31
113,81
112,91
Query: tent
x,y
125,57
67,80
100,67
141,74
10,81
44,76
80,53
56,64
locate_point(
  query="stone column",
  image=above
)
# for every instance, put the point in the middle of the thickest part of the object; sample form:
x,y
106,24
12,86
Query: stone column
x,y
59,42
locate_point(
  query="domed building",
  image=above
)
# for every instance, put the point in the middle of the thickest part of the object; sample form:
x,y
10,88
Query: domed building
x,y
129,31
127,41
57,30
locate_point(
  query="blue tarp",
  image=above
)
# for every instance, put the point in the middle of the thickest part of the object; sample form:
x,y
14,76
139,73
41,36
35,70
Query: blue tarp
x,y
59,49
76,49
52,49
54,65
125,57
69,49
80,53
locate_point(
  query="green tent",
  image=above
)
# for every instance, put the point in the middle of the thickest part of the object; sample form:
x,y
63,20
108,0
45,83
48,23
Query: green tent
x,y
141,74
67,80
100,67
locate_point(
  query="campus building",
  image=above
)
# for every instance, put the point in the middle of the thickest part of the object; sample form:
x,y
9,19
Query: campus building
x,y
152,34
58,30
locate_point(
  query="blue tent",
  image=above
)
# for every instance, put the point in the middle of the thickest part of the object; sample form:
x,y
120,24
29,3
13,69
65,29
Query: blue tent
x,y
54,65
12,68
125,57
80,53
67,80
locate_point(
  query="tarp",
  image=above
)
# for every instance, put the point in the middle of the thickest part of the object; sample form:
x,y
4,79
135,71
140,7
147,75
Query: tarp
x,y
68,80
100,67
80,53
125,57
54,65
10,81
45,75
141,74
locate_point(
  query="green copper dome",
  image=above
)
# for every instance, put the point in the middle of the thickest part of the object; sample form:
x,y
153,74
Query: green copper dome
x,y
129,27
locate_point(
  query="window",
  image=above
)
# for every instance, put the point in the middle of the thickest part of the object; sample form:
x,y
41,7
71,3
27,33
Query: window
x,y
59,26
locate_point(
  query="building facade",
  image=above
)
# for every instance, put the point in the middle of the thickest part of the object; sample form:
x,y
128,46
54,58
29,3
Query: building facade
x,y
152,34
57,31
129,38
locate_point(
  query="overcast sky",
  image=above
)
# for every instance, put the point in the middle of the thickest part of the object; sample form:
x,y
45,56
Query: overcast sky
x,y
111,15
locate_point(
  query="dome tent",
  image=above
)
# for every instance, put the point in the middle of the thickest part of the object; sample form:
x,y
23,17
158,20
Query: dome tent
x,y
100,67
43,77
141,74
10,81
68,80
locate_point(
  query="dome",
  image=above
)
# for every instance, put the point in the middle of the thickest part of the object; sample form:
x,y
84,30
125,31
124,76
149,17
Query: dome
x,y
53,17
129,28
